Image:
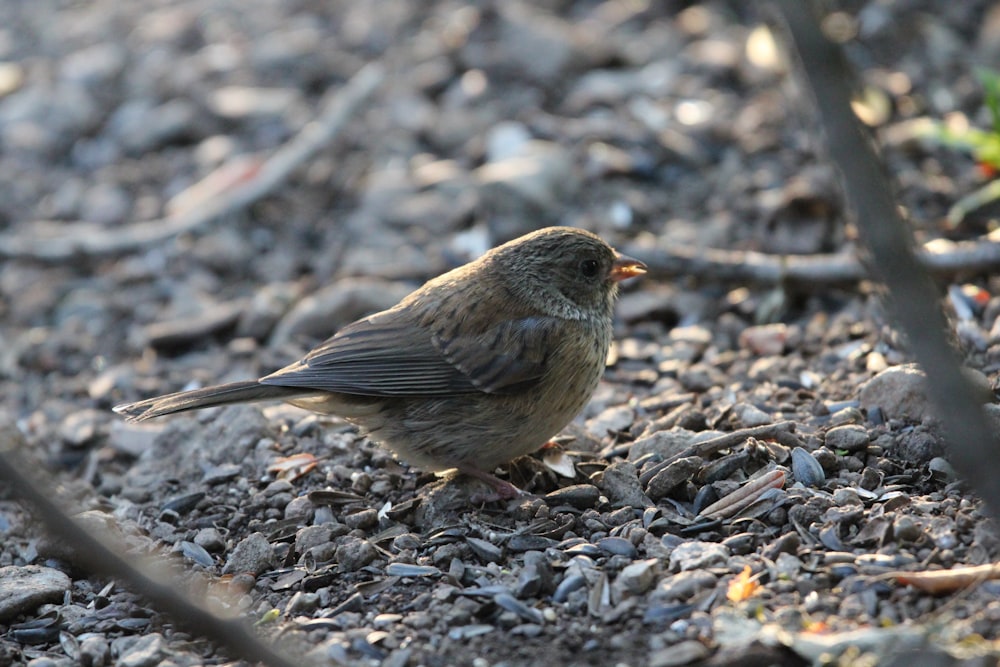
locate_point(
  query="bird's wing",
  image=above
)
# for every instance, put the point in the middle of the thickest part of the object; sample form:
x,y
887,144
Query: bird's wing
x,y
387,355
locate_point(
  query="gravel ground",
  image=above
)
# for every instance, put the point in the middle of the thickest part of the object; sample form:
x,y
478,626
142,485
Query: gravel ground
x,y
649,123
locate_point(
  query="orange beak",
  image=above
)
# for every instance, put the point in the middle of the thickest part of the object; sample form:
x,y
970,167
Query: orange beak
x,y
626,267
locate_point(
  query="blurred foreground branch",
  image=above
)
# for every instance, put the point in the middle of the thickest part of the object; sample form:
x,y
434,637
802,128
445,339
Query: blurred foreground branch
x,y
913,301
98,554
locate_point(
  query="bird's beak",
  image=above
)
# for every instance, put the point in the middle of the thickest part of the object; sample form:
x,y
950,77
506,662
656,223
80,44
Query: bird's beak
x,y
626,267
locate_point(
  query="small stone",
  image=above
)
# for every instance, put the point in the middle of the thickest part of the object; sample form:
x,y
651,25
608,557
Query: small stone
x,y
80,427
354,553
105,204
312,536
210,539
620,483
696,555
687,652
750,415
147,651
94,650
612,420
638,577
663,443
580,496
765,340
901,392
905,529
253,555
303,603
672,476
335,305
24,589
300,507
366,518
849,438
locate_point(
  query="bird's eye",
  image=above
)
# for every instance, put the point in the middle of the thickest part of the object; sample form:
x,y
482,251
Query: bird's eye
x,y
589,267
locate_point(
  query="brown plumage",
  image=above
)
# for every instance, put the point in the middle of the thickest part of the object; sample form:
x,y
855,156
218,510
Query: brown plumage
x,y
478,366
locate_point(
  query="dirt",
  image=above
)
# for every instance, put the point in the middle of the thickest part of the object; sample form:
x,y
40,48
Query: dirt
x,y
655,125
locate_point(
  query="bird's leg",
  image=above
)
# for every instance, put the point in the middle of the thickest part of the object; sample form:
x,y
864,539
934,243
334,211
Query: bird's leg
x,y
502,490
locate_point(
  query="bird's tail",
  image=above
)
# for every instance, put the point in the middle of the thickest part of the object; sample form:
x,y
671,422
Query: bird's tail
x,y
223,394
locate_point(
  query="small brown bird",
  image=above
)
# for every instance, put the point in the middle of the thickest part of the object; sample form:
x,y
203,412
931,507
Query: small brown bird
x,y
478,366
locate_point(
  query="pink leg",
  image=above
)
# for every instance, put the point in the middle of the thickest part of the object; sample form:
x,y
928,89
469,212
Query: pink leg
x,y
502,490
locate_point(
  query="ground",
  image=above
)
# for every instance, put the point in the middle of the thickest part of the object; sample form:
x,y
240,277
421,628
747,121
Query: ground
x,y
146,248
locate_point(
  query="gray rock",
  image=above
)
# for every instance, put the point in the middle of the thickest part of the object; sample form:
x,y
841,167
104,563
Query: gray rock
x,y
146,651
210,539
354,553
24,589
620,483
94,650
581,496
252,555
611,420
638,577
850,437
750,415
696,555
901,392
672,476
663,443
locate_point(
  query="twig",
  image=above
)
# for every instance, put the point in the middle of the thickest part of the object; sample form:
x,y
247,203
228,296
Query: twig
x,y
912,298
246,181
938,257
99,555
706,448
744,496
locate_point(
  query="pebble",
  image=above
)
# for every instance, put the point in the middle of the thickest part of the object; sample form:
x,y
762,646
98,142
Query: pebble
x,y
302,603
850,437
147,651
210,539
23,589
310,537
664,444
611,420
672,476
749,416
354,553
698,555
95,651
638,577
765,339
252,555
620,483
901,392
580,496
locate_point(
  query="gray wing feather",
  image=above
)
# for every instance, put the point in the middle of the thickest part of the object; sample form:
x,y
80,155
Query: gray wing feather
x,y
384,357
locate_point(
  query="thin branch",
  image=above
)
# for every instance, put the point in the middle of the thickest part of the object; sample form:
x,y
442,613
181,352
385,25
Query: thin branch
x,y
231,188
943,258
912,298
98,554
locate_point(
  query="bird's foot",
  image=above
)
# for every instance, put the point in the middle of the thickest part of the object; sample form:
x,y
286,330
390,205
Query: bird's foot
x,y
502,490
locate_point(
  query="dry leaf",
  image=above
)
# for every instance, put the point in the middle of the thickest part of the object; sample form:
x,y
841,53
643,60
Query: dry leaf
x,y
948,581
293,467
744,585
